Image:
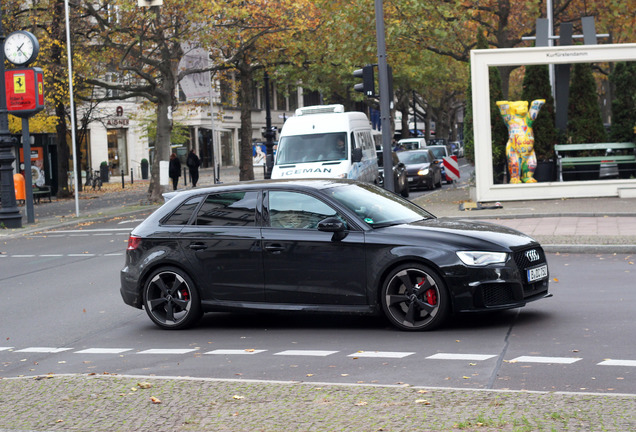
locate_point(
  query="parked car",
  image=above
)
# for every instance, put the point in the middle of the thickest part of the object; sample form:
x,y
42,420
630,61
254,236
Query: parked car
x,y
422,169
322,245
457,148
440,152
400,179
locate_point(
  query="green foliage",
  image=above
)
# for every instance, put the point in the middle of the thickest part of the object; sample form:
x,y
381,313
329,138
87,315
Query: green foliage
x,y
536,85
623,78
584,115
104,163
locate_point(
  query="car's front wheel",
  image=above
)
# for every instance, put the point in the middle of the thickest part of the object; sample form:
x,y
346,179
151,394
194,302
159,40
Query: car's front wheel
x,y
414,297
171,299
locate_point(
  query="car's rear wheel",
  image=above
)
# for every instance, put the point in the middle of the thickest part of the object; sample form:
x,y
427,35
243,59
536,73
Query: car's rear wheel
x,y
414,297
171,299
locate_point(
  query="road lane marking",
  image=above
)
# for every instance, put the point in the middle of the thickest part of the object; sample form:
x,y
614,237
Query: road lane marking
x,y
312,353
166,351
610,362
103,351
235,351
5,348
467,357
381,354
42,350
538,359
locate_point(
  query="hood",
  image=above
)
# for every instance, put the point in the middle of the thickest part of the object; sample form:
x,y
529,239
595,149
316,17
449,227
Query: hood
x,y
467,234
414,168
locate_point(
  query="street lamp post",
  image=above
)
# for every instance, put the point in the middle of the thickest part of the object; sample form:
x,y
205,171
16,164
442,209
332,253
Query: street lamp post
x,y
10,216
269,133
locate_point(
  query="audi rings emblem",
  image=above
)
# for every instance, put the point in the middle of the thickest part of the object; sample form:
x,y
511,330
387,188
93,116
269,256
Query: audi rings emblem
x,y
532,255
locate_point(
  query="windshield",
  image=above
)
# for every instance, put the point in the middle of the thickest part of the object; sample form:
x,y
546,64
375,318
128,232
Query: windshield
x,y
295,149
439,152
413,158
376,206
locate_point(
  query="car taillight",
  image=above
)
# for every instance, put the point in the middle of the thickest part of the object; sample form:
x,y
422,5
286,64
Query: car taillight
x,y
133,242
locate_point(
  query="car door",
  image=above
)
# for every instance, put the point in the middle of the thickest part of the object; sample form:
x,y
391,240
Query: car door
x,y
303,265
223,245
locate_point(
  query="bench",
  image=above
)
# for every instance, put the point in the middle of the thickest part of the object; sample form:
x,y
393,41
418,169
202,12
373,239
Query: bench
x,y
41,192
627,156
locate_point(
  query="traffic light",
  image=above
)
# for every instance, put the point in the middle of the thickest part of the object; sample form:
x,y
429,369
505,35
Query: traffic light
x,y
368,83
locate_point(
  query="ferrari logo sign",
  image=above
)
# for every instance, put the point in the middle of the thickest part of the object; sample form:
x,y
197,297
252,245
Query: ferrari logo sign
x,y
19,84
25,91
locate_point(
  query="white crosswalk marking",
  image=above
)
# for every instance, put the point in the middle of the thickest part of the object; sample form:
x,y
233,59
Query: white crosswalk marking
x,y
166,351
538,359
313,353
236,351
381,354
631,363
466,357
42,350
103,351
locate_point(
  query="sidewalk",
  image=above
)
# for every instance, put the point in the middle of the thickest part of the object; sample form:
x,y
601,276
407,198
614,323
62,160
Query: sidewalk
x,y
597,225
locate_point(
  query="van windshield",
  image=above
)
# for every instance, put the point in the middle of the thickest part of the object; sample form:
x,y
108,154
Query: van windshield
x,y
295,149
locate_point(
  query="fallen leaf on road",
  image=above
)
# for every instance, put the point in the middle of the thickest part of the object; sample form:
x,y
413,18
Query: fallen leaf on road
x,y
144,385
237,397
154,400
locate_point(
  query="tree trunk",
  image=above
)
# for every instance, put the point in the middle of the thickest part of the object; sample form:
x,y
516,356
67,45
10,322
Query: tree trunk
x,y
162,147
246,168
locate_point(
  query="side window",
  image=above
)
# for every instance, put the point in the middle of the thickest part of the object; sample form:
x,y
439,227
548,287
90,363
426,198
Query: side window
x,y
297,210
182,215
228,209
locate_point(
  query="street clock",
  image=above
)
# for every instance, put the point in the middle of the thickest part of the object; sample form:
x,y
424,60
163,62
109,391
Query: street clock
x,y
21,48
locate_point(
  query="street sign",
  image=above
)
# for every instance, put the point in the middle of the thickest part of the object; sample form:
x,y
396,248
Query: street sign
x,y
25,91
452,167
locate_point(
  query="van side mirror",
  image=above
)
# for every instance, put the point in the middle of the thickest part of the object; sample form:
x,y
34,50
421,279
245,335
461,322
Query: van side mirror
x,y
356,155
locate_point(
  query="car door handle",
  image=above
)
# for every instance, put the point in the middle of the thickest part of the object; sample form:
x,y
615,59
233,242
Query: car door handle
x,y
197,246
274,247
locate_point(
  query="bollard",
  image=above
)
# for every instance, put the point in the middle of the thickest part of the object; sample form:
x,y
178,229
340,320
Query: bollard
x,y
122,179
185,177
132,181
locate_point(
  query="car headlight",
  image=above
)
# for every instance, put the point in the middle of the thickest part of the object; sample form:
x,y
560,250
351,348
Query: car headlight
x,y
479,259
423,172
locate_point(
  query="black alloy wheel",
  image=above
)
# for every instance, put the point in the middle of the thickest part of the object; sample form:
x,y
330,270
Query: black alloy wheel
x,y
414,298
171,299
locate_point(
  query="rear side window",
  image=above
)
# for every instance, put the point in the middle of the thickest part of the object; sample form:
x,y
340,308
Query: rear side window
x,y
182,215
227,209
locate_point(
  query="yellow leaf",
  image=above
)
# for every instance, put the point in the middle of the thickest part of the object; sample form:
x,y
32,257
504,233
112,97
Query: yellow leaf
x,y
237,397
422,401
361,403
144,385
154,400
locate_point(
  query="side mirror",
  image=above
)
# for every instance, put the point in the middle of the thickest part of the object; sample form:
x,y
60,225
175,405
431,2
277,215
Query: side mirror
x,y
331,224
356,155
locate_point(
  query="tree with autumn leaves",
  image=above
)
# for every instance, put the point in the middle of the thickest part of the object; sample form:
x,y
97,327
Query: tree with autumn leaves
x,y
316,43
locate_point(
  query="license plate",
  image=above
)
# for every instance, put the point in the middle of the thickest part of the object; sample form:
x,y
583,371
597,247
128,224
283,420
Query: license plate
x,y
538,273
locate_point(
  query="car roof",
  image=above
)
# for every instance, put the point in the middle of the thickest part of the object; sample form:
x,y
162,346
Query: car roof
x,y
310,183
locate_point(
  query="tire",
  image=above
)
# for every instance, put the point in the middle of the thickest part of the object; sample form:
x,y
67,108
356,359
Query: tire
x,y
414,298
405,190
171,299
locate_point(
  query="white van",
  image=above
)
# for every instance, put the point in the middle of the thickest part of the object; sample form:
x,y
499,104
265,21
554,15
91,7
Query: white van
x,y
325,141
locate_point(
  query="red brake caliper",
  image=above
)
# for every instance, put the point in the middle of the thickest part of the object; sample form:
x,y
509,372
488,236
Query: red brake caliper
x,y
431,295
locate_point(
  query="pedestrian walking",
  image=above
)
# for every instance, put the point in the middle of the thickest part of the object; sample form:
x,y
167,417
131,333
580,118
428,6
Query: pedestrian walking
x,y
193,163
174,170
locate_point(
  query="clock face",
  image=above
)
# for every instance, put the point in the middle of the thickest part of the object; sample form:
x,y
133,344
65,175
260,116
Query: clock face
x,y
21,48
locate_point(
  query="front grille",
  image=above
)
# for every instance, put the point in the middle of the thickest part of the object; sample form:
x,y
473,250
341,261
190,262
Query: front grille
x,y
523,261
498,294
